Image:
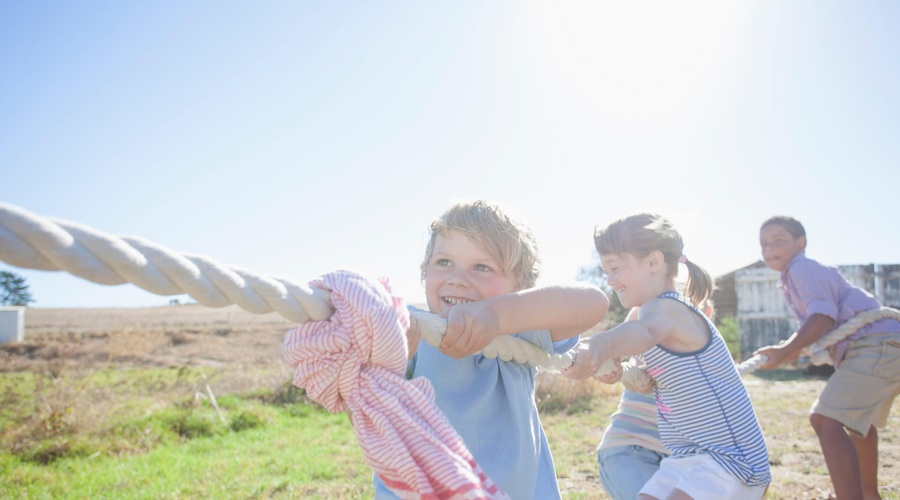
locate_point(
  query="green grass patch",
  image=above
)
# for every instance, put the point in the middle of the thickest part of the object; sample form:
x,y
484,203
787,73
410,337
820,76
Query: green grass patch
x,y
189,433
156,433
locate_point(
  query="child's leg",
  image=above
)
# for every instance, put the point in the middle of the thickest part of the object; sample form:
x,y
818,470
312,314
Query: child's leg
x,y
840,456
867,449
625,469
856,398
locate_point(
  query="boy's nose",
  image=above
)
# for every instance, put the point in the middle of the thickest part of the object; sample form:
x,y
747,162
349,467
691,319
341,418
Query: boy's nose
x,y
457,277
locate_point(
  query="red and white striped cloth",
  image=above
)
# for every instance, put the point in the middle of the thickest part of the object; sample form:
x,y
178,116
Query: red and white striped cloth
x,y
356,361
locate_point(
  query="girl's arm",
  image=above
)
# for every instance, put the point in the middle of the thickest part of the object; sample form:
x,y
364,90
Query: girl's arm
x,y
565,310
631,338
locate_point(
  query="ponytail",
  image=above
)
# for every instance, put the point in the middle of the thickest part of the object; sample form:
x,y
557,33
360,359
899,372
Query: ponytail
x,y
699,286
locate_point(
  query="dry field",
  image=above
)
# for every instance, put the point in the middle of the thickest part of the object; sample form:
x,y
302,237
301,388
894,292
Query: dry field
x,y
228,339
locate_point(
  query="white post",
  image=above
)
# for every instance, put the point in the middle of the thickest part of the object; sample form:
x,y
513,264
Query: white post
x,y
12,324
879,290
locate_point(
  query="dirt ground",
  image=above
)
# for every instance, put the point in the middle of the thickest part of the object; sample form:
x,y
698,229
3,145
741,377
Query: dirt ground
x,y
192,335
181,335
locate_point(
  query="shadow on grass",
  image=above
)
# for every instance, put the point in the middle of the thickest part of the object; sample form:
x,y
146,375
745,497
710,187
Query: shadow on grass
x,y
811,372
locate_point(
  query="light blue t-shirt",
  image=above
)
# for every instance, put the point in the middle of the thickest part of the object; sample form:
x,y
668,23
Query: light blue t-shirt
x,y
491,405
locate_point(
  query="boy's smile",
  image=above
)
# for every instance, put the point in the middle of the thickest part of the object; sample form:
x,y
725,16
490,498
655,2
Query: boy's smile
x,y
779,247
461,271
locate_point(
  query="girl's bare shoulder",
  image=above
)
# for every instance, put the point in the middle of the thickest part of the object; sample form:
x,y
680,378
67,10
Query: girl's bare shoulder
x,y
674,324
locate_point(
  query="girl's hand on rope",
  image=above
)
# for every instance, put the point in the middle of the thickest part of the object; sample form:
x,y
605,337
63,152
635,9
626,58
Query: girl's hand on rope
x,y
643,385
470,328
613,376
586,362
413,336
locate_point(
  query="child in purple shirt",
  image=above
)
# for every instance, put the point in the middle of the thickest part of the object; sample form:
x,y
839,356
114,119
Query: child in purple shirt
x,y
858,397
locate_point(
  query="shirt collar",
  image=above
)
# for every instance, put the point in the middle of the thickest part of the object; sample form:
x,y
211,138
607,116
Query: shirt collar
x,y
797,258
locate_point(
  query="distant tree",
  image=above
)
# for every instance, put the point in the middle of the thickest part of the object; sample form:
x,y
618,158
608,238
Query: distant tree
x,y
594,274
13,290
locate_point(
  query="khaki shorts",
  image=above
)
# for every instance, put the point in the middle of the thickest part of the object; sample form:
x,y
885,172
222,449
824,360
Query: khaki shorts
x,y
861,391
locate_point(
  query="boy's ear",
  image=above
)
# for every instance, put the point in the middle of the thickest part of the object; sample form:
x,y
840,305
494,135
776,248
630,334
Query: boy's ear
x,y
802,242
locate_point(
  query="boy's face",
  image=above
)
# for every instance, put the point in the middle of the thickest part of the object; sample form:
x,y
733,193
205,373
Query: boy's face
x,y
461,271
779,247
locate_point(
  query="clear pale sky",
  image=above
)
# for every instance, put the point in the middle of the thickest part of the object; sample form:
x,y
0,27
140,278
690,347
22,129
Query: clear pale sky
x,y
294,138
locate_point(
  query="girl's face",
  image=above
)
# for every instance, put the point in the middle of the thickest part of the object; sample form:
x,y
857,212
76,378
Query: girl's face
x,y
461,271
631,277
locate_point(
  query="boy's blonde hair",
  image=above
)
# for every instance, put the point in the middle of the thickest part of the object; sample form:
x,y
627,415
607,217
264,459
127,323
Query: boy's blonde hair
x,y
506,238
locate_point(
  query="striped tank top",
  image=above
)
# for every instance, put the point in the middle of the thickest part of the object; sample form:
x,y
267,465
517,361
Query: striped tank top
x,y
703,406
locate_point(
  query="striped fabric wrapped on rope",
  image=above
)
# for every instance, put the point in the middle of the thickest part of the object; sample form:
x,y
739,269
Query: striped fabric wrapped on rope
x,y
355,361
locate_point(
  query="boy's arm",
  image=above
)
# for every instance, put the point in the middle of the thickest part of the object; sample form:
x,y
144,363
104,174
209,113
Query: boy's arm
x,y
812,330
565,310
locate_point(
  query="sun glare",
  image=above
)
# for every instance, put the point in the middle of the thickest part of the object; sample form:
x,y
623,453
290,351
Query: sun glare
x,y
650,55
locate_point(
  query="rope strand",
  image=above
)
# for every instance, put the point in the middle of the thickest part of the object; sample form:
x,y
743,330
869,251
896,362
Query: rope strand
x,y
30,241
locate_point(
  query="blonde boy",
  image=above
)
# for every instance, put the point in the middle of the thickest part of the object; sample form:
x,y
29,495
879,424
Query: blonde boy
x,y
480,271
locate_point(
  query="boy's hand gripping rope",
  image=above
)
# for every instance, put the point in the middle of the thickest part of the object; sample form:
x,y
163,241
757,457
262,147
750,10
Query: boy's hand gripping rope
x,y
818,351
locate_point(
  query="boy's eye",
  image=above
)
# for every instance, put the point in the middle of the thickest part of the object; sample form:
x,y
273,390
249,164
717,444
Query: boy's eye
x,y
482,267
443,262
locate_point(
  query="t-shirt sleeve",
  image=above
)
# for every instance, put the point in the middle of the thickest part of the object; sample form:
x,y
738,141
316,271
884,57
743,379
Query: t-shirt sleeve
x,y
540,338
816,288
565,345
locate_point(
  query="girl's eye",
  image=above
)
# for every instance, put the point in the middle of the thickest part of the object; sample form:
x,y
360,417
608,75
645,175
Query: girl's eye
x,y
443,262
482,267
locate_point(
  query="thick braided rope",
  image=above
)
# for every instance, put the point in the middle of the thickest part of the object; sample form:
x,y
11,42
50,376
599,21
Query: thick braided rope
x,y
34,242
30,241
818,351
509,348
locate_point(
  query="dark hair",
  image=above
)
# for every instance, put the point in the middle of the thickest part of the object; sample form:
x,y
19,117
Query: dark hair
x,y
495,229
790,224
642,234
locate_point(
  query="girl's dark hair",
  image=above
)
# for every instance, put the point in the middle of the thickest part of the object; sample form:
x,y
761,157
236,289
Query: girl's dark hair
x,y
642,234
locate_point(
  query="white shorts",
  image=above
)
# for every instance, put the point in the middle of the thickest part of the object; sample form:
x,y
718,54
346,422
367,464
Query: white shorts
x,y
701,477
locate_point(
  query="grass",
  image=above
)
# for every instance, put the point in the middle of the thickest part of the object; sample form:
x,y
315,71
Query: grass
x,y
263,443
156,433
